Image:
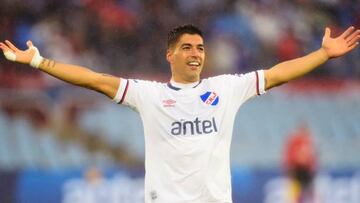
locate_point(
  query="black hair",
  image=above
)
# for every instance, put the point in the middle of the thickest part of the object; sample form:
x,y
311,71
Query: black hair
x,y
175,34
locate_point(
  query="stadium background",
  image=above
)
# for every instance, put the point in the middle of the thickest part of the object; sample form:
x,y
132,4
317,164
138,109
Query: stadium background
x,y
59,143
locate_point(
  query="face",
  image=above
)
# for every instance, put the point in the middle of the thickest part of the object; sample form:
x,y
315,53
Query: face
x,y
186,58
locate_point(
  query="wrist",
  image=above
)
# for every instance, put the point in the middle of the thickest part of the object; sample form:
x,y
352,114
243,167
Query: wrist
x,y
324,54
37,59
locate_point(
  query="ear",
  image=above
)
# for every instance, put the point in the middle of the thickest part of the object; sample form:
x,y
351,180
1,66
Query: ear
x,y
169,55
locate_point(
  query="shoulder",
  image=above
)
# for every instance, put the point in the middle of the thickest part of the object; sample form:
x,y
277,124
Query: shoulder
x,y
133,91
231,80
136,86
223,78
236,76
145,83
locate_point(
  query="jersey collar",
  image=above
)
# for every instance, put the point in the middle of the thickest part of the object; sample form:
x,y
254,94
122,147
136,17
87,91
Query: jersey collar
x,y
178,86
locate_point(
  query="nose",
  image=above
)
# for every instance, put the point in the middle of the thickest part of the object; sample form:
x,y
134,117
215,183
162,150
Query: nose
x,y
195,53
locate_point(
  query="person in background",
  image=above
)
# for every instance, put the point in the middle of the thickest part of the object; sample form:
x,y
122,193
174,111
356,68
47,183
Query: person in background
x,y
300,161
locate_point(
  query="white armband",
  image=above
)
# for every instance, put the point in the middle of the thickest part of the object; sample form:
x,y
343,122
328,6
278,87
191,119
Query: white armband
x,y
37,58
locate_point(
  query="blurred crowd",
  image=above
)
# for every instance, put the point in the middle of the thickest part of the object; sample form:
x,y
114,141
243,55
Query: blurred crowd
x,y
128,37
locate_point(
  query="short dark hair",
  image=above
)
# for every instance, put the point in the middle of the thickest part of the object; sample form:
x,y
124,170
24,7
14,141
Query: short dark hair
x,y
175,34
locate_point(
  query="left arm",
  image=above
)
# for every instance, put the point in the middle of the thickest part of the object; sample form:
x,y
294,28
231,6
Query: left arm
x,y
331,48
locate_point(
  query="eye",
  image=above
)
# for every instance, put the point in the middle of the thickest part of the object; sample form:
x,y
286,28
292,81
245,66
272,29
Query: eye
x,y
201,48
186,48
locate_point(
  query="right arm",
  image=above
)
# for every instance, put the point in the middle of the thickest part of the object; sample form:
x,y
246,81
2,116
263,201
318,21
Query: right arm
x,y
76,75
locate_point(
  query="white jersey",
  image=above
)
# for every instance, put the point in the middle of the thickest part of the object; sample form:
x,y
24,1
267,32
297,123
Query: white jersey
x,y
188,130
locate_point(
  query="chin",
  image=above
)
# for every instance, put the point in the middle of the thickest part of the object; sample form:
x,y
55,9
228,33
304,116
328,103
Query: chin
x,y
193,78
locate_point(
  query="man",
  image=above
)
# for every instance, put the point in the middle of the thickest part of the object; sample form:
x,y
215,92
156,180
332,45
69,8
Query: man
x,y
187,122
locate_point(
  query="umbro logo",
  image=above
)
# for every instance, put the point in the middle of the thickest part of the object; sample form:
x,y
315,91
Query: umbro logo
x,y
169,103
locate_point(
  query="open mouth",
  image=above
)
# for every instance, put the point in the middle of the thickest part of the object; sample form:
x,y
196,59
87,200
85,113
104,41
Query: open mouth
x,y
194,65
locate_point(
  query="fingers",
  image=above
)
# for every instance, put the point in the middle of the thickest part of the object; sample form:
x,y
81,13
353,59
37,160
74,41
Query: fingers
x,y
11,46
354,37
4,47
8,53
353,46
327,32
354,40
347,32
29,44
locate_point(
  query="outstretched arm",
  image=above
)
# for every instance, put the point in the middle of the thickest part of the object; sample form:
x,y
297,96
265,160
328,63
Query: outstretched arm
x,y
76,75
331,48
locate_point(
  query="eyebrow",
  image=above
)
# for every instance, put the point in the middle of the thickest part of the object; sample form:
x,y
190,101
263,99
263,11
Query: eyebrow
x,y
188,44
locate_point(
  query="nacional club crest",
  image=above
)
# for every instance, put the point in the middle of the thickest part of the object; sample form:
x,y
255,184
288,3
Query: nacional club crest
x,y
210,98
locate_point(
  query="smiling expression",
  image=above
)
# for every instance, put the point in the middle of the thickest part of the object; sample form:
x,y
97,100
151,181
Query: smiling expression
x,y
186,58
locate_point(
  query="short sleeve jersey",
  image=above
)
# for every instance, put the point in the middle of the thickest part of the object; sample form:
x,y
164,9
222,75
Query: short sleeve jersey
x,y
188,131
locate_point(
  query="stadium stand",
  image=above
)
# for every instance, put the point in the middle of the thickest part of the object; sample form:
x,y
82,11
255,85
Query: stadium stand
x,y
34,134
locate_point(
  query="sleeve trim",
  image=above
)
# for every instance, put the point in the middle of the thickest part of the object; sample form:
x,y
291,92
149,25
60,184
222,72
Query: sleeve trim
x,y
260,82
126,88
257,83
121,92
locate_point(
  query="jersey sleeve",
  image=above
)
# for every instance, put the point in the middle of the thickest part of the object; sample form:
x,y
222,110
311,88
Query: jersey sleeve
x,y
133,92
247,86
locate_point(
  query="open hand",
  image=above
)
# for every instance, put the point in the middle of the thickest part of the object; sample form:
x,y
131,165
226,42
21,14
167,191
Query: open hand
x,y
12,53
347,41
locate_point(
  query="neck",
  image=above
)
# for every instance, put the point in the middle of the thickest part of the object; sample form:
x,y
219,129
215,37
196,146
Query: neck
x,y
184,81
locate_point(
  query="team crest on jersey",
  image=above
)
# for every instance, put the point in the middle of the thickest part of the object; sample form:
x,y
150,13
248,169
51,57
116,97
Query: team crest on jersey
x,y
210,98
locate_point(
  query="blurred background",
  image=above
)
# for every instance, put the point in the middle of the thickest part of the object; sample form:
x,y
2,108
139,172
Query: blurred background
x,y
60,143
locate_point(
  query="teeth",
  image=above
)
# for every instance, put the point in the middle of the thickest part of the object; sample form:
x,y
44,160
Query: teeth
x,y
194,63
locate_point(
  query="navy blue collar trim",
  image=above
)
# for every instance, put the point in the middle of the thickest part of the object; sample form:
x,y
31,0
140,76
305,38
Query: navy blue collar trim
x,y
178,88
173,87
197,84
